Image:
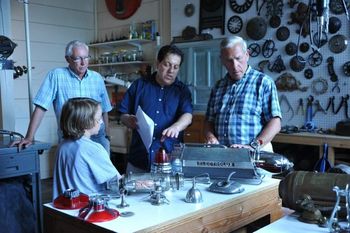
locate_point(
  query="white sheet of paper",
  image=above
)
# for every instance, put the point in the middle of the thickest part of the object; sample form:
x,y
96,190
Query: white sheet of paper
x,y
146,127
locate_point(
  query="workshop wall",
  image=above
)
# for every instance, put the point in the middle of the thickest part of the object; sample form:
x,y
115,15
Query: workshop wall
x,y
52,24
319,86
157,10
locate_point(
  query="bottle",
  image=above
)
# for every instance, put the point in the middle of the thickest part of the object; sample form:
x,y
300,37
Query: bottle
x,y
176,161
176,165
157,38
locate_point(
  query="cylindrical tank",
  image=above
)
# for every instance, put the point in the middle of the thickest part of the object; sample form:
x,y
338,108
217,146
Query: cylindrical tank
x,y
319,186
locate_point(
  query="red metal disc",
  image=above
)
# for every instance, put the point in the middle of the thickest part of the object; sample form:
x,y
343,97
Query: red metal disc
x,y
103,216
62,202
122,9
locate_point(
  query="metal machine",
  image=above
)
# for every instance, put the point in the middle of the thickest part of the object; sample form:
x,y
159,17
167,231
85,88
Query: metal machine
x,y
218,161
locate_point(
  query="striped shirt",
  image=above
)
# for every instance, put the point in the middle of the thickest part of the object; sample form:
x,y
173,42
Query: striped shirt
x,y
240,109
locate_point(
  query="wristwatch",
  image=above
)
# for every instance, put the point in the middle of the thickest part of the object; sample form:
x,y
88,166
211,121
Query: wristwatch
x,y
256,143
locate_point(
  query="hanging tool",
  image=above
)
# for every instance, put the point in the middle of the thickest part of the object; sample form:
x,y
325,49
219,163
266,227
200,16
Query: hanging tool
x,y
283,98
322,15
301,107
344,102
318,108
323,164
346,10
330,67
331,104
336,87
309,124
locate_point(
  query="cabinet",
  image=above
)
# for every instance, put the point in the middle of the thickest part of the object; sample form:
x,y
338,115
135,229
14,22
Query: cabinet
x,y
201,69
195,132
121,59
14,163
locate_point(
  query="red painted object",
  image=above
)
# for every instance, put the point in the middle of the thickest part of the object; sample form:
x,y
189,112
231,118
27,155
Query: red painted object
x,y
97,212
71,199
103,216
161,157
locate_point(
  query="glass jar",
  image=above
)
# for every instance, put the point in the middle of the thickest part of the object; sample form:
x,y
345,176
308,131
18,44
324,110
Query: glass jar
x,y
146,182
161,162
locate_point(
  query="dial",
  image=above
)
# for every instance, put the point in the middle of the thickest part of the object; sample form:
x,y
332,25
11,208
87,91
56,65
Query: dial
x,y
234,24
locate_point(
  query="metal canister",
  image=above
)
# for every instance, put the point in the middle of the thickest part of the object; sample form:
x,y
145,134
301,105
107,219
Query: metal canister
x,y
319,186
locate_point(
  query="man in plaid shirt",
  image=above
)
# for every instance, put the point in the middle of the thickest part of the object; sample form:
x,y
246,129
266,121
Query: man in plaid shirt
x,y
243,107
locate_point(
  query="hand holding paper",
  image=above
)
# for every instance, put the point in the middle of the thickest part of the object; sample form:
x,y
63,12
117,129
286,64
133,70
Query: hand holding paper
x,y
146,127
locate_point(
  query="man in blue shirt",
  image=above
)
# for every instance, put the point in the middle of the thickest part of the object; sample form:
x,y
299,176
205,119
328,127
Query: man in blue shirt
x,y
64,83
243,109
166,100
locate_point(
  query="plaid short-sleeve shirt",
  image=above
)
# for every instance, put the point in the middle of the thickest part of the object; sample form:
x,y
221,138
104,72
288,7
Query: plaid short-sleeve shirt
x,y
240,109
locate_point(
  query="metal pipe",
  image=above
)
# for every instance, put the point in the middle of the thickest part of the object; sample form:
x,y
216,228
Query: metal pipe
x,y
95,22
29,64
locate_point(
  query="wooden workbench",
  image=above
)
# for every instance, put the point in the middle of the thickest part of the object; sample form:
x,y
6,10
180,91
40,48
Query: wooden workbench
x,y
217,213
315,139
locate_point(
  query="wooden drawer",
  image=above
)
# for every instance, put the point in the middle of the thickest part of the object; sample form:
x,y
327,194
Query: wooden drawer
x,y
18,164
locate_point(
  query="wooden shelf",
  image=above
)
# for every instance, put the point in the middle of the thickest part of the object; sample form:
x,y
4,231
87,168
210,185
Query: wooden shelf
x,y
120,63
132,42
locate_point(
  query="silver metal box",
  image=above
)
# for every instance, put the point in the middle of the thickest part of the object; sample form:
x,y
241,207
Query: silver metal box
x,y
218,161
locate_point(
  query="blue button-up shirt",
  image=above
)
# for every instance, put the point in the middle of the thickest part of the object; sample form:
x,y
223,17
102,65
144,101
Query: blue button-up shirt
x,y
62,84
240,109
164,105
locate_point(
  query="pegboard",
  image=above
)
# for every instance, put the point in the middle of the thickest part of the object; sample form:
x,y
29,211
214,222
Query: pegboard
x,y
324,121
321,120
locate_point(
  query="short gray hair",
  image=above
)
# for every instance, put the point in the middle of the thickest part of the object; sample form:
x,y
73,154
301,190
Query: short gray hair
x,y
231,41
74,44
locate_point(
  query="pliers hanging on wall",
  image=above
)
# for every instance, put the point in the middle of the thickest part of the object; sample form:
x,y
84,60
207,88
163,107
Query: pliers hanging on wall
x,y
301,107
344,102
309,124
318,108
331,104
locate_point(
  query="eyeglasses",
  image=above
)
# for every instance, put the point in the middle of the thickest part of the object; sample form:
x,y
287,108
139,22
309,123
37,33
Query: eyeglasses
x,y
80,59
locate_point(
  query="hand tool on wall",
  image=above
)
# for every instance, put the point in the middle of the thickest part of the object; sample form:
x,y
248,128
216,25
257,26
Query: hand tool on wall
x,y
336,87
330,66
331,104
318,108
344,102
309,124
283,98
346,10
301,107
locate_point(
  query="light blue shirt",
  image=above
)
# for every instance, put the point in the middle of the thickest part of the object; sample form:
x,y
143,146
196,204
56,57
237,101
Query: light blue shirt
x,y
77,167
62,84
